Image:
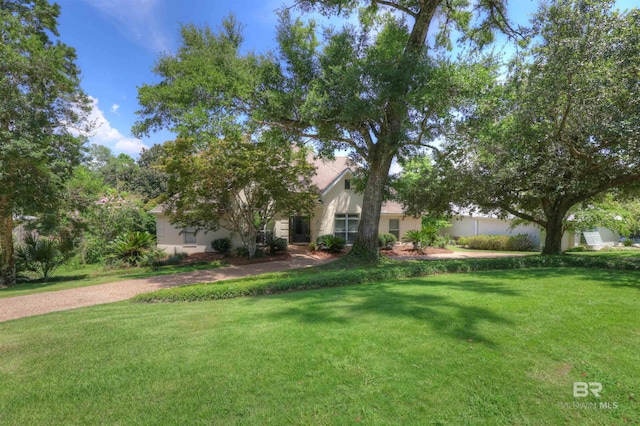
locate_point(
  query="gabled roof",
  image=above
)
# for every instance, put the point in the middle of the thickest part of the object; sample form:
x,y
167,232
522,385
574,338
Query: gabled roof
x,y
328,172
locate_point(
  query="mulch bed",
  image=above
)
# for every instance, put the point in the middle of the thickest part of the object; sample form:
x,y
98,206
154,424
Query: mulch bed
x,y
233,260
398,251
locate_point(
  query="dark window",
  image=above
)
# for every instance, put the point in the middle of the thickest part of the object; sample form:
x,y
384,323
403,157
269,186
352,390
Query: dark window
x,y
190,235
347,184
394,227
346,226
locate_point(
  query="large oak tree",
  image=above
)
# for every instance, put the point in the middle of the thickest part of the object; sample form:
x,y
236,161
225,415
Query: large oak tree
x,y
375,87
41,104
563,126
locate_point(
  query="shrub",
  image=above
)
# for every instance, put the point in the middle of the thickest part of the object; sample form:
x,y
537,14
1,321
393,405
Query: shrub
x,y
242,251
222,245
131,248
415,237
520,242
40,255
312,247
440,241
627,242
386,241
331,243
275,244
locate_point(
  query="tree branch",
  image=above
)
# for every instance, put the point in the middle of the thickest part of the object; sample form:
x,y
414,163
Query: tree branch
x,y
396,6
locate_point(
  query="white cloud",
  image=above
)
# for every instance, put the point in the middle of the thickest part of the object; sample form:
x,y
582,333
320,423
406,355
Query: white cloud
x,y
104,134
138,20
114,108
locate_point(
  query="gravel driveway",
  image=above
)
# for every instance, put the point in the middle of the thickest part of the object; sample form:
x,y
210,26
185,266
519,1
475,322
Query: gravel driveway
x,y
42,303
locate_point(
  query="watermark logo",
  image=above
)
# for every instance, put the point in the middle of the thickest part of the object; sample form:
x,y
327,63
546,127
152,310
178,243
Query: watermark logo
x,y
582,389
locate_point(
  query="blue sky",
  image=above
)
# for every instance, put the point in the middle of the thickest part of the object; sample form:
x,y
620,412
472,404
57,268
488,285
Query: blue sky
x,y
118,41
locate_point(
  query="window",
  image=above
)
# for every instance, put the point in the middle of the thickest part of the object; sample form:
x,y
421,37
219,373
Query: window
x,y
346,226
189,235
347,184
394,227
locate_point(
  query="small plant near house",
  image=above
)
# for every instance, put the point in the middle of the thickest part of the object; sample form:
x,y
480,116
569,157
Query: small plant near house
x,y
330,243
222,245
40,255
312,247
275,244
415,237
131,248
386,241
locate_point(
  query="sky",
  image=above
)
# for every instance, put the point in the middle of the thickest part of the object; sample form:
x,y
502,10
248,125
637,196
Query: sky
x,y
118,41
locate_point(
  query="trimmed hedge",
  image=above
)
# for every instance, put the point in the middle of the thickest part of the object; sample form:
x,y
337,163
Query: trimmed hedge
x,y
519,242
331,276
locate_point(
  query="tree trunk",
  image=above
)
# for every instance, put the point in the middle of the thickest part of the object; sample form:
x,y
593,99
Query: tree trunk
x,y
553,238
7,260
366,242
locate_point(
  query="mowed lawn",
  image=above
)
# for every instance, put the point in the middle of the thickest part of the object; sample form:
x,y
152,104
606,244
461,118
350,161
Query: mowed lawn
x,y
493,348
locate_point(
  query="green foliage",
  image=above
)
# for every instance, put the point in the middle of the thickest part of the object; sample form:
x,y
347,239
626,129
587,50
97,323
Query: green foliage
x,y
330,243
415,237
351,274
429,233
373,81
561,128
237,183
222,245
131,248
312,247
519,242
41,103
275,244
386,241
40,255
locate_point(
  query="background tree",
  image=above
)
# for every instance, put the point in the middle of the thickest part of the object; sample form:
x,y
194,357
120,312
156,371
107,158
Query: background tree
x,y
41,104
564,125
620,214
236,183
371,88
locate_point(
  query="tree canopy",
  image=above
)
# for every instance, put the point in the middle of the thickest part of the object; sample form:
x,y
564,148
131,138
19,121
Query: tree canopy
x,y
41,113
236,183
562,127
374,88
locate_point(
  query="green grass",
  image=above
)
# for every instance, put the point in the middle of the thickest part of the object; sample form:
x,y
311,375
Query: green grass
x,y
87,275
495,347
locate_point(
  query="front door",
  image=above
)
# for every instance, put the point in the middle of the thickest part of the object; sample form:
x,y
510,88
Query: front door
x,y
300,229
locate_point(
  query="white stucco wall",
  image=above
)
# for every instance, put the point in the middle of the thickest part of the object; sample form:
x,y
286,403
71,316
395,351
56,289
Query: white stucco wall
x,y
171,239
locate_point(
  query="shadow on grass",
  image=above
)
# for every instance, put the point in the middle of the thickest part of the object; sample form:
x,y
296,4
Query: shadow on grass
x,y
443,314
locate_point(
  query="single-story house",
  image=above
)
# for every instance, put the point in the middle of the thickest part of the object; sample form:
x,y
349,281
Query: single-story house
x,y
337,212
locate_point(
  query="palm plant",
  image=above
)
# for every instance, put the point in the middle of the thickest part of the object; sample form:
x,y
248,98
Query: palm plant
x,y
40,255
131,248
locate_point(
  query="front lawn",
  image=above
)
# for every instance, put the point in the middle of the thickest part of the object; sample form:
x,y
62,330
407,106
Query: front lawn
x,y
495,347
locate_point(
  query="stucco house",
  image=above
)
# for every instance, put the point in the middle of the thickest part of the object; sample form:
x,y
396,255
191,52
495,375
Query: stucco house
x,y
337,212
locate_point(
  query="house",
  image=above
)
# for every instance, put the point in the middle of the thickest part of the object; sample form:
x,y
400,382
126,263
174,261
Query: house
x,y
337,212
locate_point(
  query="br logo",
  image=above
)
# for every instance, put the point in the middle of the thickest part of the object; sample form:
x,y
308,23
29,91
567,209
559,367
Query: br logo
x,y
582,389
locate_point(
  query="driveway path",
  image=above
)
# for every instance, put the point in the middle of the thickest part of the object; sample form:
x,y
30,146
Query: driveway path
x,y
42,303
